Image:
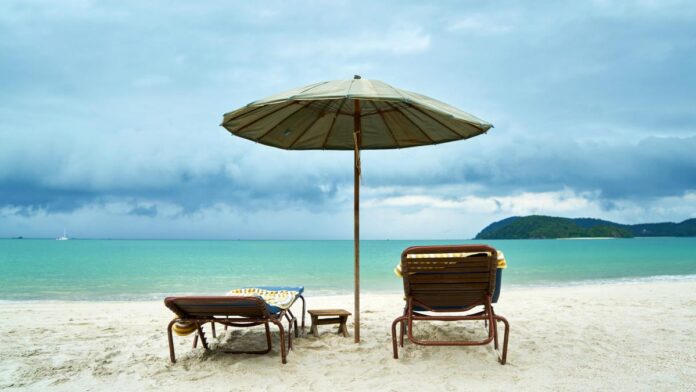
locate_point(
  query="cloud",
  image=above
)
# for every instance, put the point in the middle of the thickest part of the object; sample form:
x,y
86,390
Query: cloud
x,y
518,177
526,203
111,110
479,24
650,167
150,211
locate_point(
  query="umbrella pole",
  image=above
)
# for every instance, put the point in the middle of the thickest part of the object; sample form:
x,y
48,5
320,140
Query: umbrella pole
x,y
356,214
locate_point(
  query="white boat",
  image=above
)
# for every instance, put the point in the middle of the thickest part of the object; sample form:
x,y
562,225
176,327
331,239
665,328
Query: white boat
x,y
64,237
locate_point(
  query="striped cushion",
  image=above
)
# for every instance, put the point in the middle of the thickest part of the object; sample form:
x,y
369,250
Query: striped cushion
x,y
502,263
299,289
282,299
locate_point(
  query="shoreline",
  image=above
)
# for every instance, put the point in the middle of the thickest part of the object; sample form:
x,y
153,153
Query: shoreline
x,y
154,297
593,238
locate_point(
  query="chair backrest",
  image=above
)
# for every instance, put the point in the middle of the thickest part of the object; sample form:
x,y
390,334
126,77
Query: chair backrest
x,y
206,306
452,277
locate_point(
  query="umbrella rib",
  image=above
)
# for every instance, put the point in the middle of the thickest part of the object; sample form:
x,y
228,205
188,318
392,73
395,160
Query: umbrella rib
x,y
308,88
240,115
333,122
265,115
436,120
415,125
281,121
381,111
321,114
407,101
384,120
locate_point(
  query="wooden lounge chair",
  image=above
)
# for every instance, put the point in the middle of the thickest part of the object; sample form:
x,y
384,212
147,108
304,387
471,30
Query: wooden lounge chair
x,y
229,311
449,279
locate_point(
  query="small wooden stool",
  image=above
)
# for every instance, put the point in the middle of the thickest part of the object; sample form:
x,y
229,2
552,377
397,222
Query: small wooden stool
x,y
339,316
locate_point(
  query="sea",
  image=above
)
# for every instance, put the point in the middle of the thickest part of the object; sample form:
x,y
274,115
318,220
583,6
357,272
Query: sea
x,y
152,269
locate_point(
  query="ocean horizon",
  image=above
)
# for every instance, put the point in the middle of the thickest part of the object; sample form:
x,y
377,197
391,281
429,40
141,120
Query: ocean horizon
x,y
113,269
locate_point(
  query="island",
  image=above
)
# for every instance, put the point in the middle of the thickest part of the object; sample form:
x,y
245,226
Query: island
x,y
552,227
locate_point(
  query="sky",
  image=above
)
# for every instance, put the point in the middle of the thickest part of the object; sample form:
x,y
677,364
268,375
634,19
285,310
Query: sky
x,y
110,113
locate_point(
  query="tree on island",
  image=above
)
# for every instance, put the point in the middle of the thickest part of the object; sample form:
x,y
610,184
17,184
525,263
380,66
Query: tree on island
x,y
543,227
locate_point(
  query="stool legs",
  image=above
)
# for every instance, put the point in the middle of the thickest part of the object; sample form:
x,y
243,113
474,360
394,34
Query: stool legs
x,y
342,327
341,321
313,328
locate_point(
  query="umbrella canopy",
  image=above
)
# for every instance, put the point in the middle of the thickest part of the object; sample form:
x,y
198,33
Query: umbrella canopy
x,y
321,116
357,114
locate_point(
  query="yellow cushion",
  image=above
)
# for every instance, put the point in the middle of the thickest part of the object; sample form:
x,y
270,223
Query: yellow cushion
x,y
502,263
183,328
280,298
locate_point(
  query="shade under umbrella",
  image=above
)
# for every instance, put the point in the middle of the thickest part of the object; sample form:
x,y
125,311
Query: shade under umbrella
x,y
356,114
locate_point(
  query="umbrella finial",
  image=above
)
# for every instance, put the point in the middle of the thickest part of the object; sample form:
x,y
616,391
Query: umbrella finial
x,y
356,77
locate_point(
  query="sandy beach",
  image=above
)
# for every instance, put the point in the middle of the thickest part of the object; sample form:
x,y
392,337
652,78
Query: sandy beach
x,y
638,336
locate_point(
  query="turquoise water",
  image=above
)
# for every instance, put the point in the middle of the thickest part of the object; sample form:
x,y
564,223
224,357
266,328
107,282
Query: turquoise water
x,y
143,269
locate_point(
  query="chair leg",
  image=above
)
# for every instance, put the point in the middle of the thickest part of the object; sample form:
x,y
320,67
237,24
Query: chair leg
x,y
195,340
304,307
395,349
292,320
172,357
290,338
402,329
495,335
201,335
268,336
283,355
212,326
398,320
494,325
503,359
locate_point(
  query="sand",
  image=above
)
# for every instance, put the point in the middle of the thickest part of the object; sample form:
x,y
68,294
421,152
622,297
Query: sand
x,y
639,336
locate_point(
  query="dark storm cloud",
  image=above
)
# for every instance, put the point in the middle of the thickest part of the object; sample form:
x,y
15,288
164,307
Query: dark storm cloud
x,y
144,211
190,192
34,196
640,169
650,167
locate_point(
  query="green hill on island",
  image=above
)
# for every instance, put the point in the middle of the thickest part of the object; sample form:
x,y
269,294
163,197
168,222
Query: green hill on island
x,y
540,227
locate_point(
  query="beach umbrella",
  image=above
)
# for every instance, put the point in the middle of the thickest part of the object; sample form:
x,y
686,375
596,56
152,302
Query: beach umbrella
x,y
356,114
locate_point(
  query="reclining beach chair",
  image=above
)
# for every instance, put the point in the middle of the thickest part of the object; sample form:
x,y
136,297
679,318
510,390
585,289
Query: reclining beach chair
x,y
233,311
449,279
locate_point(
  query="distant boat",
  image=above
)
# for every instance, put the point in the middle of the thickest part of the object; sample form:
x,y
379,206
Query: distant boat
x,y
64,237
